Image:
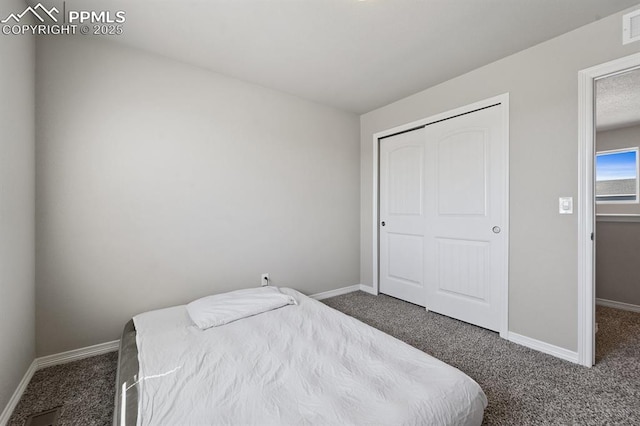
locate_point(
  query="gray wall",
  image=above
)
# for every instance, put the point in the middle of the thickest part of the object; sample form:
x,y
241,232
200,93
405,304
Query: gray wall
x,y
626,137
617,266
17,328
543,84
159,182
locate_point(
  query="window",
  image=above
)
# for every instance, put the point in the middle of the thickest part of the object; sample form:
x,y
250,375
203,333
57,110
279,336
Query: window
x,y
617,176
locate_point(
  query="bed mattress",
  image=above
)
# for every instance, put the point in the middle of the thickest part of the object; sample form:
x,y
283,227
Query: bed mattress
x,y
300,364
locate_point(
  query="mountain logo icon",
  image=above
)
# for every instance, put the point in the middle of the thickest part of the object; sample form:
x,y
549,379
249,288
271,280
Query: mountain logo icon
x,y
38,11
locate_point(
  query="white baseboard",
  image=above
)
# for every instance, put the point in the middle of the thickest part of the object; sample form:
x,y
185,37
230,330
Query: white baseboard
x,y
544,347
76,354
344,290
618,305
15,398
336,292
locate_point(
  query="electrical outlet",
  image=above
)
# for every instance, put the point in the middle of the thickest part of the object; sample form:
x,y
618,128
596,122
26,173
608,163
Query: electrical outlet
x,y
264,279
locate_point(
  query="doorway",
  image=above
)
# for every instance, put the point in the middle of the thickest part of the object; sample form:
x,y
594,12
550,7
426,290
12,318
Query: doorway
x,y
609,195
617,242
441,213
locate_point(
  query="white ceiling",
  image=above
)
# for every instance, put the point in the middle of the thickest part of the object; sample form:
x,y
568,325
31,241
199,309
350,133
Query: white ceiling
x,y
351,54
618,101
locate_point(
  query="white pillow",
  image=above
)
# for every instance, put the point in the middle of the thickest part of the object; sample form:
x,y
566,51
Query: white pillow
x,y
219,309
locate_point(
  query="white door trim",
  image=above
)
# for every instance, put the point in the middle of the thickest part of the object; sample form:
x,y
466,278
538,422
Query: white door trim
x,y
500,99
586,210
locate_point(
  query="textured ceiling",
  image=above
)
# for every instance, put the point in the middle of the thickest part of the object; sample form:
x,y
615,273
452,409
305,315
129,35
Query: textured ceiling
x,y
618,101
350,54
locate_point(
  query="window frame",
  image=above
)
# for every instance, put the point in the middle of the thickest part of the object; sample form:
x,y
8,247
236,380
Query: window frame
x,y
597,198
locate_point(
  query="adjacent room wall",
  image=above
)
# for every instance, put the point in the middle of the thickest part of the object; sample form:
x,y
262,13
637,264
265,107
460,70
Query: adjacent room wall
x,y
543,86
17,327
159,182
617,266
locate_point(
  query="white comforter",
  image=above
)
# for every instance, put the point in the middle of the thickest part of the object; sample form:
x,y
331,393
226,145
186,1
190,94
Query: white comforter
x,y
300,364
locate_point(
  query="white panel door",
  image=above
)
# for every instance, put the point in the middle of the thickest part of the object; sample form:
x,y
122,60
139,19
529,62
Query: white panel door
x,y
465,187
402,219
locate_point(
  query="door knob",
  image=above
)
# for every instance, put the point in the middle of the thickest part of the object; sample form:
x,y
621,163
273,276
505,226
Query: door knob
x,y
382,223
496,229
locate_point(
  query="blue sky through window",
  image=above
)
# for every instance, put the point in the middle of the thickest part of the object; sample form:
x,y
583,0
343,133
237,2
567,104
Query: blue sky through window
x,y
616,165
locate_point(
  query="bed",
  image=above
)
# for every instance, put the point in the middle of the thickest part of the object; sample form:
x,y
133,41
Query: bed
x,y
303,363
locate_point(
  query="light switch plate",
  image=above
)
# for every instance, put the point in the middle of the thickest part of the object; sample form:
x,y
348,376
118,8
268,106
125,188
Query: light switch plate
x,y
565,205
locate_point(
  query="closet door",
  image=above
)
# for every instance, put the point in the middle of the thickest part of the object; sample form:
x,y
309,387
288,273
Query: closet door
x,y
465,247
443,195
402,223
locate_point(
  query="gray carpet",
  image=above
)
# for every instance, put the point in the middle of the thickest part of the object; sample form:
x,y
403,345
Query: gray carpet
x,y
85,389
524,387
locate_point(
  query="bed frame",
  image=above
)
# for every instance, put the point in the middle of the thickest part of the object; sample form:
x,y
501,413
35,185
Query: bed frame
x,y
126,404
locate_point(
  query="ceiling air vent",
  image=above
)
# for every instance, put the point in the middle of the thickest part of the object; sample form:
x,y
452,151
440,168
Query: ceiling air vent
x,y
631,27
